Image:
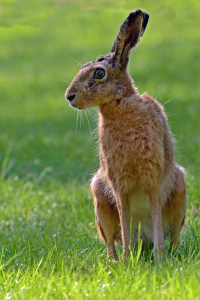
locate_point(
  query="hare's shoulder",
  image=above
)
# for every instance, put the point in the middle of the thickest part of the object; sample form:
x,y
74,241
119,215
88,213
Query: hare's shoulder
x,y
144,102
144,106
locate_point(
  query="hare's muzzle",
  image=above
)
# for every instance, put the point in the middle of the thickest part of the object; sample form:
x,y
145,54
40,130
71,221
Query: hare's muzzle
x,y
70,97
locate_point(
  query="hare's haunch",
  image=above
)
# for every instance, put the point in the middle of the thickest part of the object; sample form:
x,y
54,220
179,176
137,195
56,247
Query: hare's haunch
x,y
138,180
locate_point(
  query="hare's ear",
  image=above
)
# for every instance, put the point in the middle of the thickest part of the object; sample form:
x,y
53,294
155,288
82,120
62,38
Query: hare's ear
x,y
129,35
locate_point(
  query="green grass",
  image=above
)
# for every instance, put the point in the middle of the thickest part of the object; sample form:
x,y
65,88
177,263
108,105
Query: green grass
x,y
49,247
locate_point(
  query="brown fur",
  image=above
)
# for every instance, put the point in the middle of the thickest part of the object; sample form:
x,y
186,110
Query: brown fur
x,y
138,180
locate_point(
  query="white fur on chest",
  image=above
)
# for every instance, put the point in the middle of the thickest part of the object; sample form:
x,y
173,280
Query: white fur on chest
x,y
140,213
139,205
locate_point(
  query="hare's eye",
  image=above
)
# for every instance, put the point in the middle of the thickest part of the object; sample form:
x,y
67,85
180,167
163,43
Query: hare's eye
x,y
99,73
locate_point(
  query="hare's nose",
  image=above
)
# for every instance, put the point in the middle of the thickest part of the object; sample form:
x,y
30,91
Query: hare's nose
x,y
70,97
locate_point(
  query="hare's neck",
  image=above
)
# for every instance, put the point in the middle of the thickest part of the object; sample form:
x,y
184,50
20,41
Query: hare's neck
x,y
115,116
110,116
111,111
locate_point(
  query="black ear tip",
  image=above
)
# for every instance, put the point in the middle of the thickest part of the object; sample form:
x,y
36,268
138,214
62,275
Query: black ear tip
x,y
145,20
133,14
136,13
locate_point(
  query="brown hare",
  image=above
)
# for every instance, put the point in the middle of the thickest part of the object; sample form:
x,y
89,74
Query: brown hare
x,y
138,181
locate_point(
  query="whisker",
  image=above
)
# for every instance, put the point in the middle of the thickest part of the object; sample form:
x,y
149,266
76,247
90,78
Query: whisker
x,y
66,81
93,117
167,102
81,118
79,64
77,120
88,122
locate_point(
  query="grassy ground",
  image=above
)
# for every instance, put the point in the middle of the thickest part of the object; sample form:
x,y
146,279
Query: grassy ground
x,y
49,247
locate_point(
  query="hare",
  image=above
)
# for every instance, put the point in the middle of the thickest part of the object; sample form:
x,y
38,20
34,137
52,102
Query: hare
x,y
138,181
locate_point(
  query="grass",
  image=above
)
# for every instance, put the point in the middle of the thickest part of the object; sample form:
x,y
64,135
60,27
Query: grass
x,y
49,248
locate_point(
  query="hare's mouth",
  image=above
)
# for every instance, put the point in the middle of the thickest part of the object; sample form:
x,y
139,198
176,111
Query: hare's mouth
x,y
74,105
70,98
74,101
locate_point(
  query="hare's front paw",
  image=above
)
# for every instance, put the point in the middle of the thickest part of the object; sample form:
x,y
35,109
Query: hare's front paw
x,y
112,257
159,253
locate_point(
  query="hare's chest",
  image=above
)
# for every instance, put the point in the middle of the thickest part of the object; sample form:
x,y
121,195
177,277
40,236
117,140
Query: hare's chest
x,y
118,157
125,150
128,158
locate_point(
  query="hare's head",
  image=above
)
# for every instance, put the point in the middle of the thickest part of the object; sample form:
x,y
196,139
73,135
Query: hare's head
x,y
107,79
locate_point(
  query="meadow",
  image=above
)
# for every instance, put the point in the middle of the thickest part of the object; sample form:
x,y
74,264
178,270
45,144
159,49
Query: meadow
x,y
49,247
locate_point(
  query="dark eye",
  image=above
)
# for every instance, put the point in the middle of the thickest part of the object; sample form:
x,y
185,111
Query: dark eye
x,y
99,73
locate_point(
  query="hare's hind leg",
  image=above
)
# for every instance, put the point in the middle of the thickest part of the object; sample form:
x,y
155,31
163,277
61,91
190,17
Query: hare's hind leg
x,y
106,214
175,210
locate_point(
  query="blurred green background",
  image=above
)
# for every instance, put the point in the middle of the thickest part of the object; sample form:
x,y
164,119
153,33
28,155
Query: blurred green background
x,y
48,151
